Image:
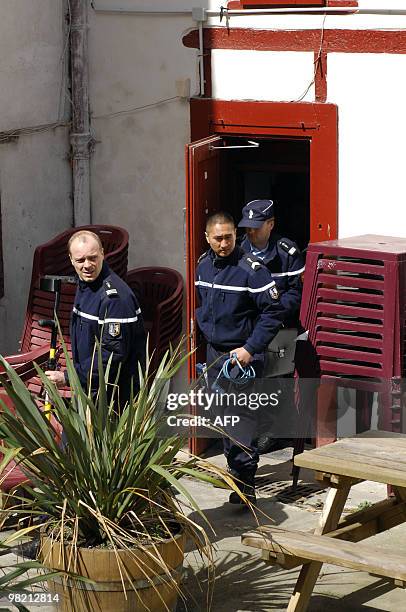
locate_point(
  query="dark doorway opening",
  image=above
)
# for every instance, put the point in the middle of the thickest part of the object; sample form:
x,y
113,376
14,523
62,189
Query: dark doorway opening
x,y
277,169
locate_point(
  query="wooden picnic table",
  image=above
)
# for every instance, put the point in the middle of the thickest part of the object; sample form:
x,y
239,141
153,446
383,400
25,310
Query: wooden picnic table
x,y
375,455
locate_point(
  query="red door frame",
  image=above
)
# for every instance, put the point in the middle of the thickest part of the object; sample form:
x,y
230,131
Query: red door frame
x,y
198,193
202,193
314,121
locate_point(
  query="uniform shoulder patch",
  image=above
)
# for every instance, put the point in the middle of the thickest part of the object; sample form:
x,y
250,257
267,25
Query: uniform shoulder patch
x,y
109,288
202,256
288,246
248,260
273,291
114,329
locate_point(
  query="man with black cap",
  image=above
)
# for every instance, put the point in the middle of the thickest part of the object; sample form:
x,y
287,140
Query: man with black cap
x,y
239,314
283,259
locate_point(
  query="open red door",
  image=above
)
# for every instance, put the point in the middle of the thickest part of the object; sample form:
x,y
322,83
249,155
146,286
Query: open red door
x,y
202,199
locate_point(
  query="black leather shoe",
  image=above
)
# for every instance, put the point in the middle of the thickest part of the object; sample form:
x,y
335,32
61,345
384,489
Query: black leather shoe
x,y
266,444
246,483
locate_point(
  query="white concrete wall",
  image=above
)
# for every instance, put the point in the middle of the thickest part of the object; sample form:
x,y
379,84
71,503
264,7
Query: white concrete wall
x,y
263,75
284,76
370,92
35,181
138,169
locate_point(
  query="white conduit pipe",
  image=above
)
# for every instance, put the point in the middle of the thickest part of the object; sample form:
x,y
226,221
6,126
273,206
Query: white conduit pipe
x,y
201,57
243,12
348,10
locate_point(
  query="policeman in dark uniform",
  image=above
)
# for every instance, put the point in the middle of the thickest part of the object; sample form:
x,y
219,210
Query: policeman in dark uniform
x,y
239,314
104,308
283,259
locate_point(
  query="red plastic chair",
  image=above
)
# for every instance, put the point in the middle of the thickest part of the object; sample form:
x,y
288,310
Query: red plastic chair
x,y
13,475
160,295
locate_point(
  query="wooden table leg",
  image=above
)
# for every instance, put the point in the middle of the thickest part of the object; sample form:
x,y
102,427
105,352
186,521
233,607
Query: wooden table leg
x,y
331,513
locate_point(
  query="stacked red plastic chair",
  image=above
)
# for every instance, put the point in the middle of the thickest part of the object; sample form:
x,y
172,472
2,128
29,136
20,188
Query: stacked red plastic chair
x,y
160,294
12,475
354,308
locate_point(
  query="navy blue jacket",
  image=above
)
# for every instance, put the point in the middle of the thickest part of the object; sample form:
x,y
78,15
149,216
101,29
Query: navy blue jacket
x,y
285,262
239,302
107,309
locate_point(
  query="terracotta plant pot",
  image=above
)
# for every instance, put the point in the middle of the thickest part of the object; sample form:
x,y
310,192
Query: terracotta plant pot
x,y
153,588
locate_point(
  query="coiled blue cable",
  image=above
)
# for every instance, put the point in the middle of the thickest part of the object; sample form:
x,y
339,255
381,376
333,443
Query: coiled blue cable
x,y
245,373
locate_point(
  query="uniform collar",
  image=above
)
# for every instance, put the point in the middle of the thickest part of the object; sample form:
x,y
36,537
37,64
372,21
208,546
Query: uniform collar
x,y
97,283
266,254
230,260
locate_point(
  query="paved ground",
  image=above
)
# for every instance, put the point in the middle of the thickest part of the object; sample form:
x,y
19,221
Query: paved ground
x,y
244,583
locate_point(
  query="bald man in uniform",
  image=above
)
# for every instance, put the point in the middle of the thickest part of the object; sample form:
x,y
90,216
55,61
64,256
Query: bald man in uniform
x,y
105,309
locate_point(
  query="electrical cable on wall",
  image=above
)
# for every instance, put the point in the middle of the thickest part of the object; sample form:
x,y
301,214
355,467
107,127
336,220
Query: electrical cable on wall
x,y
9,135
317,63
137,108
38,129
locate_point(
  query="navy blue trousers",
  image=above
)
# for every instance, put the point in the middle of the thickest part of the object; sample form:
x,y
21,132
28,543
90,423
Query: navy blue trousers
x,y
239,447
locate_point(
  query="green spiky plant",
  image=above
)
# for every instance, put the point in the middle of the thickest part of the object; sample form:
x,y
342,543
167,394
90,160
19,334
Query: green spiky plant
x,y
14,576
113,481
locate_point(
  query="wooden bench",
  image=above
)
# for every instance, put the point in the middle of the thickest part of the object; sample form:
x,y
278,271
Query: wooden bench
x,y
376,456
307,547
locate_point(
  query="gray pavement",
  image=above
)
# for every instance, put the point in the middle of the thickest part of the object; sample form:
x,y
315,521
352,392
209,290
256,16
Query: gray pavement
x,y
242,582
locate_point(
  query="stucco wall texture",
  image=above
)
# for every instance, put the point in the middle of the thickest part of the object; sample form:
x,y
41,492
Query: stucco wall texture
x,y
35,176
137,169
